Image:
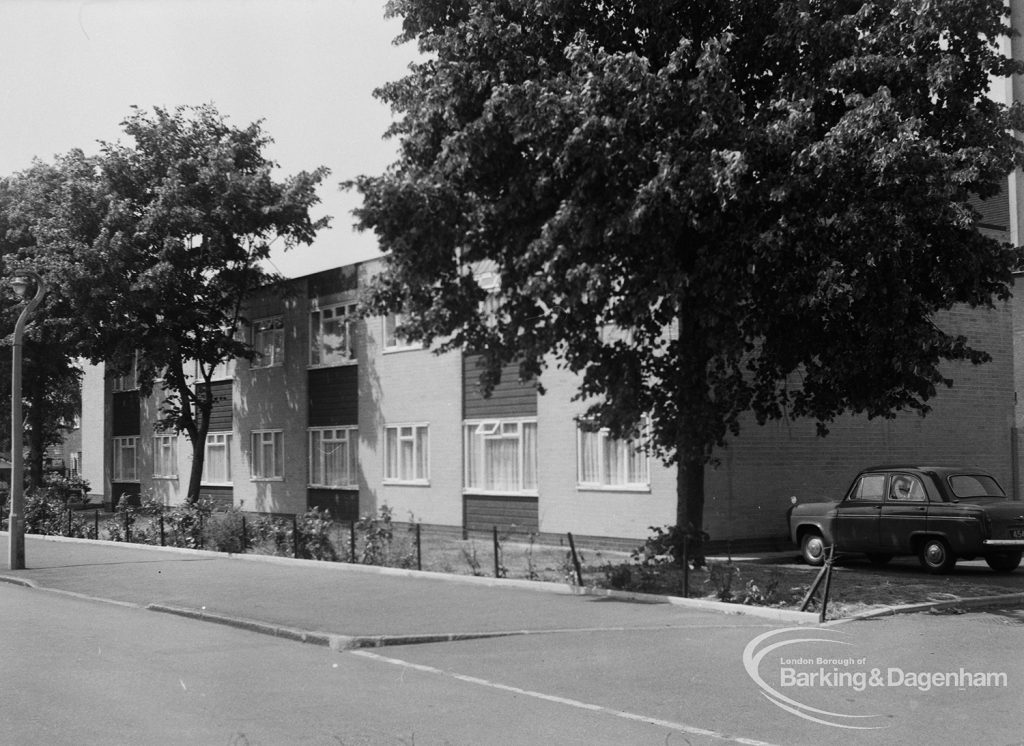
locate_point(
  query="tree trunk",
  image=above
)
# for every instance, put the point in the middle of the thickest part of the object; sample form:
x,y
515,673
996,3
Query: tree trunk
x,y
200,428
690,506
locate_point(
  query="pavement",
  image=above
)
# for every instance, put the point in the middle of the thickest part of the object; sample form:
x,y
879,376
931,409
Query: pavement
x,y
347,606
341,605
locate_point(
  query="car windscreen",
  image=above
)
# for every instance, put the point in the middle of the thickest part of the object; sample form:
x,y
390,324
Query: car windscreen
x,y
974,485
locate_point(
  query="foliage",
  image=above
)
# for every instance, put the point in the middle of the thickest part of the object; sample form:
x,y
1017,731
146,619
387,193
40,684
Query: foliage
x,y
68,488
704,210
721,577
314,537
175,227
185,525
46,512
379,547
672,544
469,554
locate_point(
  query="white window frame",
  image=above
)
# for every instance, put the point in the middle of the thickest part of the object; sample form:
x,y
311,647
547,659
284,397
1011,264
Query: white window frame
x,y
392,341
345,437
476,479
264,465
268,330
626,457
416,437
165,456
125,470
347,313
217,440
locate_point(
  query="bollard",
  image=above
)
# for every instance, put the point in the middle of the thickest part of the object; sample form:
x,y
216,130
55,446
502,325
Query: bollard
x,y
419,549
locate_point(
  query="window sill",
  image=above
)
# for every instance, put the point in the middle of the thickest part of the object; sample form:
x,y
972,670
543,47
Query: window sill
x,y
166,477
406,482
347,487
266,479
216,484
341,364
393,350
504,493
627,488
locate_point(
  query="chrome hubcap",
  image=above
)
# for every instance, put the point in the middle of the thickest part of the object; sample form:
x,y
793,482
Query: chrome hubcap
x,y
935,554
814,548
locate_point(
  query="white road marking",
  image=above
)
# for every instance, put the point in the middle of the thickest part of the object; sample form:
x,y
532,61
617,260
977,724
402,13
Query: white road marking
x,y
679,727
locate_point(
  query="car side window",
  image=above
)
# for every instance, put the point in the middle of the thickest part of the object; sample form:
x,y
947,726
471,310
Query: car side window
x,y
869,487
905,488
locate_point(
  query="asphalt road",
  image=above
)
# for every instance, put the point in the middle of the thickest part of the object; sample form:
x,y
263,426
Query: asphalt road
x,y
74,671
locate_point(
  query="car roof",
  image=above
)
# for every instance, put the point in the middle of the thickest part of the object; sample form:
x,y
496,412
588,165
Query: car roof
x,y
943,469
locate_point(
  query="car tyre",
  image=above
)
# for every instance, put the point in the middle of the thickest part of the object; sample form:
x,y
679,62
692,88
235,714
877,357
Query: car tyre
x,y
1003,561
812,549
879,559
936,556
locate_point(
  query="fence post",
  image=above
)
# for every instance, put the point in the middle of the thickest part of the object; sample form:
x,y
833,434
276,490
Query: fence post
x,y
576,561
497,553
69,522
686,566
295,535
163,539
243,534
96,524
352,541
127,527
828,582
419,549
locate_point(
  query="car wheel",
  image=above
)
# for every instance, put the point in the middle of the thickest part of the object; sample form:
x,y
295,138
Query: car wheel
x,y
936,556
1003,561
812,548
879,559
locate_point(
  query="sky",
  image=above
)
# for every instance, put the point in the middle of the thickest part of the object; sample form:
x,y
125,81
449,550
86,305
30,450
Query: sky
x,y
70,71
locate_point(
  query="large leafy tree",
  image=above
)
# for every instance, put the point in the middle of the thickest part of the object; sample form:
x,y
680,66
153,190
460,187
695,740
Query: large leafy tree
x,y
704,208
189,209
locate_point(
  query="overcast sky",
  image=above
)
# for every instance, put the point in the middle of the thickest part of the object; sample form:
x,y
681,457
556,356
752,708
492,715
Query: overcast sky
x,y
71,70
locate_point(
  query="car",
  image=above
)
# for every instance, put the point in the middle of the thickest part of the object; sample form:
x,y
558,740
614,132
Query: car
x,y
938,513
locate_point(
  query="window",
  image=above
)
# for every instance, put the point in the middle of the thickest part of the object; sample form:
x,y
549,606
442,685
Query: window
x,y
268,342
217,459
330,335
126,459
869,487
501,455
332,457
165,456
127,381
906,488
393,342
604,461
267,454
406,453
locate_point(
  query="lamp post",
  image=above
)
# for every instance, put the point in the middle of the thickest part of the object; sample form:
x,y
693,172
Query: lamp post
x,y
16,525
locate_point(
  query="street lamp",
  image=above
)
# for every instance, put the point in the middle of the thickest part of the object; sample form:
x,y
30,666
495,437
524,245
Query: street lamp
x,y
16,525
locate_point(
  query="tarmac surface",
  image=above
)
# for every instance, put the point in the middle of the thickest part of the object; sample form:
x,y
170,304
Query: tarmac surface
x,y
336,604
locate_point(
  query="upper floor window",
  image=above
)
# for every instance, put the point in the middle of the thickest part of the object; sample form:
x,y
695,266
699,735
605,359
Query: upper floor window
x,y
268,342
604,461
165,456
267,454
217,459
393,341
406,453
126,459
129,380
330,335
501,455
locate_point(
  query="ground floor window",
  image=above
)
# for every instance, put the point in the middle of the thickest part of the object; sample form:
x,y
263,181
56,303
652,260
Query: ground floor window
x,y
501,455
217,459
267,461
406,453
332,457
126,459
604,461
165,456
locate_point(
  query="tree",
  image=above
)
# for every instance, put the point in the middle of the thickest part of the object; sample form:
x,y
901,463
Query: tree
x,y
190,209
41,206
767,202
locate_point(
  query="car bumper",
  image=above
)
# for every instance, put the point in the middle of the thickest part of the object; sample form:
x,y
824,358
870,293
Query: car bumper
x,y
1004,543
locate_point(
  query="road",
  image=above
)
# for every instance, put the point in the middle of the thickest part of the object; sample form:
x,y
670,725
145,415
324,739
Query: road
x,y
74,671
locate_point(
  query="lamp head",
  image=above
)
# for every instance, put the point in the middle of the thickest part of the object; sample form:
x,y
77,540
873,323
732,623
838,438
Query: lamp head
x,y
19,284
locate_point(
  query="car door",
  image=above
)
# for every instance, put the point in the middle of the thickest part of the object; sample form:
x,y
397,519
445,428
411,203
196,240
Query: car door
x,y
904,514
858,516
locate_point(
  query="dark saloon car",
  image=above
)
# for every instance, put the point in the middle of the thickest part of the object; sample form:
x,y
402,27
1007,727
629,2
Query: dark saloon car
x,y
939,513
